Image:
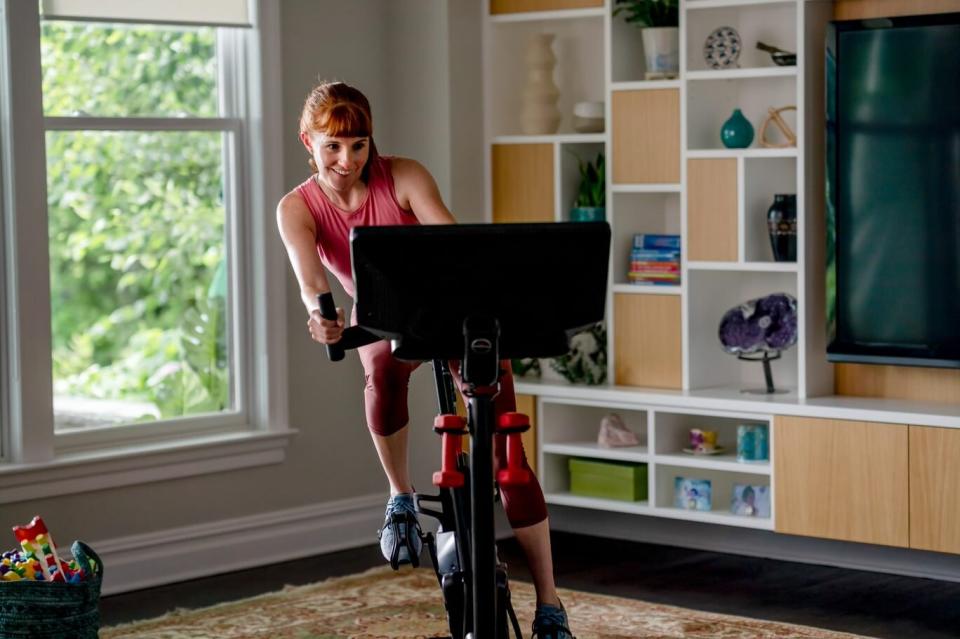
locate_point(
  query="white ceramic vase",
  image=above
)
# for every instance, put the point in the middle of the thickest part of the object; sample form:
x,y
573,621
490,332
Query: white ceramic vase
x,y
539,114
661,49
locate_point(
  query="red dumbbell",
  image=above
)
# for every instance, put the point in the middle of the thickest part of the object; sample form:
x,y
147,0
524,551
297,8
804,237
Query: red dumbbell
x,y
452,427
512,425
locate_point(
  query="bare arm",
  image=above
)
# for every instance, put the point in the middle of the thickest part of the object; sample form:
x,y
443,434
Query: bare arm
x,y
298,232
417,190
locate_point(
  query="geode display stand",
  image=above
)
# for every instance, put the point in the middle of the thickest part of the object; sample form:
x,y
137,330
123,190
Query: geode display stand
x,y
766,358
758,331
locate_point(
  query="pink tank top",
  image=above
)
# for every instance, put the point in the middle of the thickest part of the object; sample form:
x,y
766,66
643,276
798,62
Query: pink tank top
x,y
380,208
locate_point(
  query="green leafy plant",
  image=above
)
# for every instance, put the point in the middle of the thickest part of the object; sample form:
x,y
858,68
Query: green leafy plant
x,y
650,13
592,192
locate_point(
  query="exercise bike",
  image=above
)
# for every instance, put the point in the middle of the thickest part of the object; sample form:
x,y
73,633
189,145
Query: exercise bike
x,y
479,313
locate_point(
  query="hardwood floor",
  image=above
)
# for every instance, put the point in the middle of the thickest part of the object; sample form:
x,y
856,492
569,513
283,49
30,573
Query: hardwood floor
x,y
872,604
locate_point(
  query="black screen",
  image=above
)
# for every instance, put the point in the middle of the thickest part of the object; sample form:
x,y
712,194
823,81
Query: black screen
x,y
894,190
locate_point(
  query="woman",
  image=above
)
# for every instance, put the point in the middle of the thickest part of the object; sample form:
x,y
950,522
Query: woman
x,y
352,185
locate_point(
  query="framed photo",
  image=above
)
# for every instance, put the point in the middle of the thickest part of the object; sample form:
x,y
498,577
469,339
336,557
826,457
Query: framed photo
x,y
750,501
692,494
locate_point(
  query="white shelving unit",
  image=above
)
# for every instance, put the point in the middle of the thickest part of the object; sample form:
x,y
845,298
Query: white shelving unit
x,y
663,433
600,58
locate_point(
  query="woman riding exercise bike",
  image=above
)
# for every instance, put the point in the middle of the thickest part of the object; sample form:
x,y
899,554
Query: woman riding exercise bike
x,y
353,186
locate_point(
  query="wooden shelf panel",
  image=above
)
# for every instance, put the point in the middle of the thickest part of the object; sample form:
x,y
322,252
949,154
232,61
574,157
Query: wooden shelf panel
x,y
842,480
522,182
647,340
934,477
712,210
646,136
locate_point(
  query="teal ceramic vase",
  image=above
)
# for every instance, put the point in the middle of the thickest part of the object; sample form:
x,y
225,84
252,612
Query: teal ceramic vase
x,y
737,132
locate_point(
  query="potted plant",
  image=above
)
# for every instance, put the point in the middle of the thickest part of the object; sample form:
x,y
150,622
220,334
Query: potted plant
x,y
659,22
591,196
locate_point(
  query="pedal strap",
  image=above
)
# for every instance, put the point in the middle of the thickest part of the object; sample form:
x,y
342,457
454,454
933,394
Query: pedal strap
x,y
410,520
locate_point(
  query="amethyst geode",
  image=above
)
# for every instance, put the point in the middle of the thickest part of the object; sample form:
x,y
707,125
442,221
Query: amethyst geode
x,y
764,324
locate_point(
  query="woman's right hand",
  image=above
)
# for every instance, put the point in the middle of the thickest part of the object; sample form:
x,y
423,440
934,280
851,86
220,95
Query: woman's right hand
x,y
323,330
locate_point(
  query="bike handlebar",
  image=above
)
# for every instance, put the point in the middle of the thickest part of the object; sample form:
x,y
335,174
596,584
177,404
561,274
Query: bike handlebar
x,y
352,337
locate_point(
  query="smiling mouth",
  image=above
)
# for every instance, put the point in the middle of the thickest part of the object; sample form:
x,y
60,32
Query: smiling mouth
x,y
342,173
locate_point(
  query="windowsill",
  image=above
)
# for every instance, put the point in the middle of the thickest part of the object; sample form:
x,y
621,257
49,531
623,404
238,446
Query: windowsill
x,y
80,472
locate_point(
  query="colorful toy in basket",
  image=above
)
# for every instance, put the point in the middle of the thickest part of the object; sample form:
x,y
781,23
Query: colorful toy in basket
x,y
37,558
35,538
43,596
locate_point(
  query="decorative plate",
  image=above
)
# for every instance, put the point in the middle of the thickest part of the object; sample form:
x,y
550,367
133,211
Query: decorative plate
x,y
722,48
716,451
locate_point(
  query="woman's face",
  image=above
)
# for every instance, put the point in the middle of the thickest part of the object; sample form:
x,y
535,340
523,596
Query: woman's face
x,y
340,160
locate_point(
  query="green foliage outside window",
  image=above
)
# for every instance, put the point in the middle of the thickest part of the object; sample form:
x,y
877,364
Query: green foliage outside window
x,y
136,219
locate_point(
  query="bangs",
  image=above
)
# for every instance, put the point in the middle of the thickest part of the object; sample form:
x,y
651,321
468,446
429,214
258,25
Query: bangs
x,y
347,120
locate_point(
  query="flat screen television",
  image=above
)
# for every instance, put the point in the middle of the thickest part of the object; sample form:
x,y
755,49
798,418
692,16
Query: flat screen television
x,y
893,191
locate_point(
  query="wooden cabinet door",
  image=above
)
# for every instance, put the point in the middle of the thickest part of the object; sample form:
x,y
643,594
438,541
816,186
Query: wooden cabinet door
x,y
935,489
712,210
522,6
841,479
646,136
647,344
522,182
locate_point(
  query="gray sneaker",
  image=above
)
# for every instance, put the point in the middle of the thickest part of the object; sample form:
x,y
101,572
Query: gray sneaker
x,y
400,536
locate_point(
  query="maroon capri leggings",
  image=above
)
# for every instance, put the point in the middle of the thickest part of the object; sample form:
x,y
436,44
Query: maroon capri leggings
x,y
385,395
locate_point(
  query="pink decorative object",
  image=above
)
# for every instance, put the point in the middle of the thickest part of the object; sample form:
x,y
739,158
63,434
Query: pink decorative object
x,y
615,434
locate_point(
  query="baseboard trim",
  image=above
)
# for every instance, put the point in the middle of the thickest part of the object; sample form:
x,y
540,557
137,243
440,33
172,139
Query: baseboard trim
x,y
158,558
189,552
757,543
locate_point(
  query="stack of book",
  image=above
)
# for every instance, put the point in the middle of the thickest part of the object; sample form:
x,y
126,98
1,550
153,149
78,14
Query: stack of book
x,y
655,259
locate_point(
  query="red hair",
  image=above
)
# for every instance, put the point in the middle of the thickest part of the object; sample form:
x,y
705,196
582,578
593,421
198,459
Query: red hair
x,y
337,109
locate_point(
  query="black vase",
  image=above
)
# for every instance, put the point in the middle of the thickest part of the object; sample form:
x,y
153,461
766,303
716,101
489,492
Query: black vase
x,y
782,226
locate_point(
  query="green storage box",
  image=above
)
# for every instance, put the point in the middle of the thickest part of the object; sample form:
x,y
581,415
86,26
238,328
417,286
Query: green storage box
x,y
608,479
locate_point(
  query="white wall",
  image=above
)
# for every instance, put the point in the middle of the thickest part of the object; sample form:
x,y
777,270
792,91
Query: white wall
x,y
397,54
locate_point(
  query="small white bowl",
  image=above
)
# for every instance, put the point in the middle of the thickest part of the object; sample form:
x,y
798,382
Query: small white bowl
x,y
588,117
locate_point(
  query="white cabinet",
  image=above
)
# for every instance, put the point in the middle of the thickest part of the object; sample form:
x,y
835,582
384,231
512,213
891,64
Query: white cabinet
x,y
570,427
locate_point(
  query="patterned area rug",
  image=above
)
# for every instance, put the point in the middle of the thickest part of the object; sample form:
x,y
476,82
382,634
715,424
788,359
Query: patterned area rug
x,y
386,605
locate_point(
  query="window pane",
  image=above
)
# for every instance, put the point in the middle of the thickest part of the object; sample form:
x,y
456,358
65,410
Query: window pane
x,y
138,275
122,70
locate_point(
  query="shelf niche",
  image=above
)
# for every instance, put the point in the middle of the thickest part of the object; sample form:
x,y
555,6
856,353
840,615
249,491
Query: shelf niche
x,y
570,153
713,293
578,48
763,178
710,103
773,24
721,488
632,213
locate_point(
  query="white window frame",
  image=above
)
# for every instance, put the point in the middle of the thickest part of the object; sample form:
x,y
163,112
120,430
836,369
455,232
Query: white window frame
x,y
36,461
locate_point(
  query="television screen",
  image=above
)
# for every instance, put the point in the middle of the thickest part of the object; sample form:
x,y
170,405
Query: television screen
x,y
893,190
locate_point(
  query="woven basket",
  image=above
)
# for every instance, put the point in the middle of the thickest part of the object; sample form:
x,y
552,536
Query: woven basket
x,y
58,610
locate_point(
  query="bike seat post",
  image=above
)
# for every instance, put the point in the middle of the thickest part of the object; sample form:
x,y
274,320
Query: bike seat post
x,y
481,374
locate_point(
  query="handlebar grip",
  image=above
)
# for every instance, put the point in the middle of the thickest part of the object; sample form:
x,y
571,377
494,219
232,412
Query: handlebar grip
x,y
328,310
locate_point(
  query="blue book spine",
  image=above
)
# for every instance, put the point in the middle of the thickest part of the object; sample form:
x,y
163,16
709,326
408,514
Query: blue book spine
x,y
655,241
654,255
